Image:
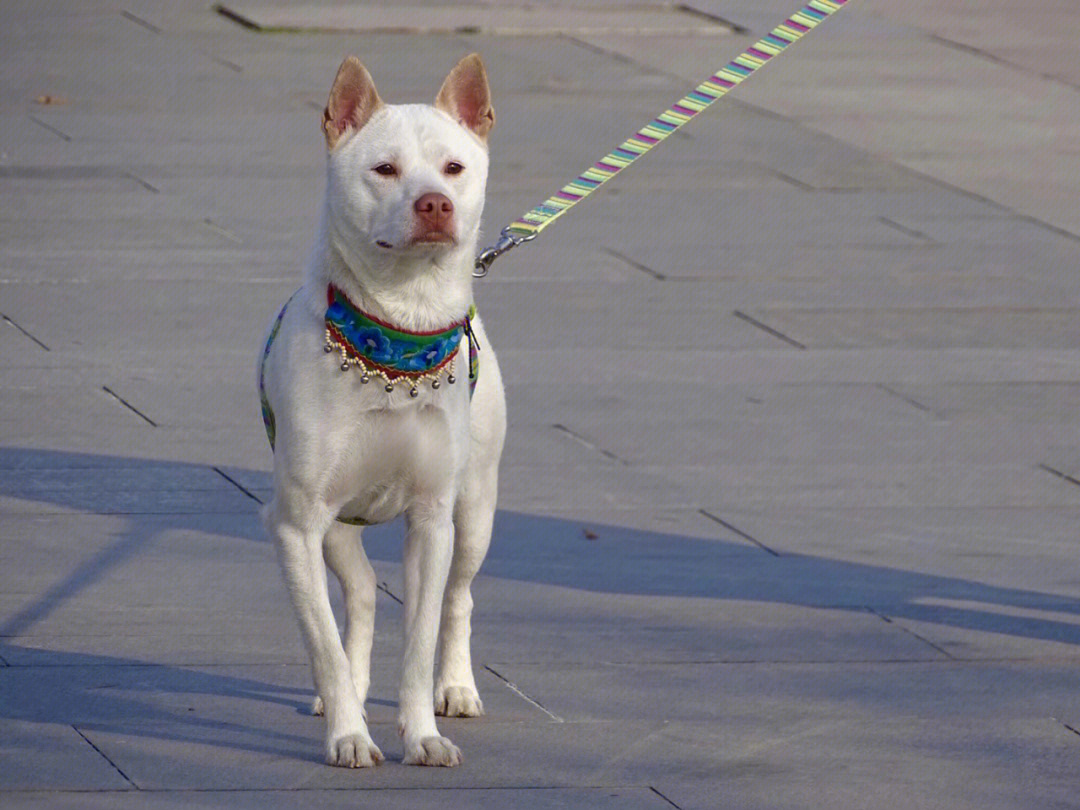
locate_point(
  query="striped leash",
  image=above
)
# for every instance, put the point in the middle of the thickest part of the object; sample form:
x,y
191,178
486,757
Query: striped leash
x,y
700,98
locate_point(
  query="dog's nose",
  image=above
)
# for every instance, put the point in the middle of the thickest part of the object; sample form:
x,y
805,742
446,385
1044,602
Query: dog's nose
x,y
434,210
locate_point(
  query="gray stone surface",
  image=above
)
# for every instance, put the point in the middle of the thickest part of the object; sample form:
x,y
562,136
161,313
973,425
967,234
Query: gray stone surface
x,y
789,507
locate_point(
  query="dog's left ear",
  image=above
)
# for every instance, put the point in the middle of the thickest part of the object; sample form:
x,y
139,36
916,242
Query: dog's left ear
x,y
466,98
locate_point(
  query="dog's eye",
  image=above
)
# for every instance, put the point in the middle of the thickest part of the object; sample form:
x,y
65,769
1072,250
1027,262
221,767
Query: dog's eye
x,y
453,167
386,170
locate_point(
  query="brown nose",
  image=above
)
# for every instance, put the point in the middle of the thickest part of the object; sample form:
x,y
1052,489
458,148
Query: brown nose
x,y
434,210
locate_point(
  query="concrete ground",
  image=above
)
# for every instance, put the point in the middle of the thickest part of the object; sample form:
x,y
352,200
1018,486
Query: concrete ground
x,y
790,503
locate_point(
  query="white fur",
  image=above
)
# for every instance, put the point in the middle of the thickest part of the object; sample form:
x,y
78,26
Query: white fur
x,y
352,449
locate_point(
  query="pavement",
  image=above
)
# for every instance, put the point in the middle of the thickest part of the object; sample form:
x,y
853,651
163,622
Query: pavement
x,y
790,503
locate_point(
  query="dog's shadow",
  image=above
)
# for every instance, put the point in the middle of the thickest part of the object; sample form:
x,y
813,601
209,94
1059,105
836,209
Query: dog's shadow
x,y
527,548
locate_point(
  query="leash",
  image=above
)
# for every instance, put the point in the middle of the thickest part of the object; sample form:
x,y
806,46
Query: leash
x,y
700,98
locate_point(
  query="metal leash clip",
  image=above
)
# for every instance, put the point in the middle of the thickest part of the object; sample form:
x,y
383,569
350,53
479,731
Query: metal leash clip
x,y
506,241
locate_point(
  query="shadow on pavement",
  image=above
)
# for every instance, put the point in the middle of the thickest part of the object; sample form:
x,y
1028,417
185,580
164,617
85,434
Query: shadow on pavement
x,y
528,548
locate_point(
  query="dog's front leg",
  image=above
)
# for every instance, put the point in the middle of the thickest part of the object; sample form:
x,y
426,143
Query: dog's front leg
x,y
299,534
428,550
455,690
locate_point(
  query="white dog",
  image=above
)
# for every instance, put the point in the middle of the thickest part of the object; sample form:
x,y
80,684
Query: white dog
x,y
376,405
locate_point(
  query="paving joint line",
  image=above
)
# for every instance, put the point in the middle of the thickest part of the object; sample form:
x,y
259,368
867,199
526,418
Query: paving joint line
x,y
1063,476
1068,727
998,60
584,442
792,181
104,756
231,15
764,327
237,484
385,588
910,632
801,125
16,325
142,182
513,687
656,274
736,530
59,133
233,66
904,229
665,798
905,398
225,233
139,21
129,406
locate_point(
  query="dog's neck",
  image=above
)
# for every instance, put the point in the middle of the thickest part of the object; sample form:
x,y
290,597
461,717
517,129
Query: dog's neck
x,y
418,294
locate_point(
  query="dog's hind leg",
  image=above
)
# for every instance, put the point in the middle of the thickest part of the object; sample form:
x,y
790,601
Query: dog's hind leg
x,y
299,528
344,555
455,690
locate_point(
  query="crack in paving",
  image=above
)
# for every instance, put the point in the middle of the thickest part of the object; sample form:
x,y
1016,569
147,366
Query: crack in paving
x,y
225,233
59,133
998,60
139,21
665,798
656,274
129,406
736,530
905,398
911,633
385,588
237,484
513,687
27,334
1068,727
105,757
764,327
1062,475
151,188
904,229
584,442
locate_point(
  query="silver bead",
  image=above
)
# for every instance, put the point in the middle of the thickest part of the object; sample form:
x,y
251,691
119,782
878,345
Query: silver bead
x,y
435,384
450,378
364,378
344,365
414,393
389,387
329,347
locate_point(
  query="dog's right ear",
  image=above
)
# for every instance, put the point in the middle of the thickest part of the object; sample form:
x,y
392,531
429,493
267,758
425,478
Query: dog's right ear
x,y
353,100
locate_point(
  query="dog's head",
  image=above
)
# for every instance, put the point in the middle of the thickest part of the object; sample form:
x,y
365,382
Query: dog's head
x,y
407,180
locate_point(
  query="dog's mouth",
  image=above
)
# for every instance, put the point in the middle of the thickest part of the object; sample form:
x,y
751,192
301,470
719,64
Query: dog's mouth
x,y
433,238
430,239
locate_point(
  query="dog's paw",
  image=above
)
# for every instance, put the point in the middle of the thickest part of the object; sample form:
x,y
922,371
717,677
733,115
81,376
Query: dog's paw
x,y
433,751
458,701
353,751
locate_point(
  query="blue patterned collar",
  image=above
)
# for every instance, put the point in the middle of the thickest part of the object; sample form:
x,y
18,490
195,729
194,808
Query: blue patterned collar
x,y
378,349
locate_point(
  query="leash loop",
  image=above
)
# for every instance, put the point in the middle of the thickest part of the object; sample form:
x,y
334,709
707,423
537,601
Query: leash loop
x,y
507,240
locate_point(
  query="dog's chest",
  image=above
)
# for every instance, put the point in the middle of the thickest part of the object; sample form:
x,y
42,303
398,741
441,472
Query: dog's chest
x,y
396,455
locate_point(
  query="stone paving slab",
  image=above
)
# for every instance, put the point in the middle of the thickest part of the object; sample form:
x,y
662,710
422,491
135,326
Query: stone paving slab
x,y
481,798
789,500
476,18
52,756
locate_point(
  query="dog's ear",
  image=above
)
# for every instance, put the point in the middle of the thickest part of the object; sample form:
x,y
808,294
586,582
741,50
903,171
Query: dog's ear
x,y
353,100
466,98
